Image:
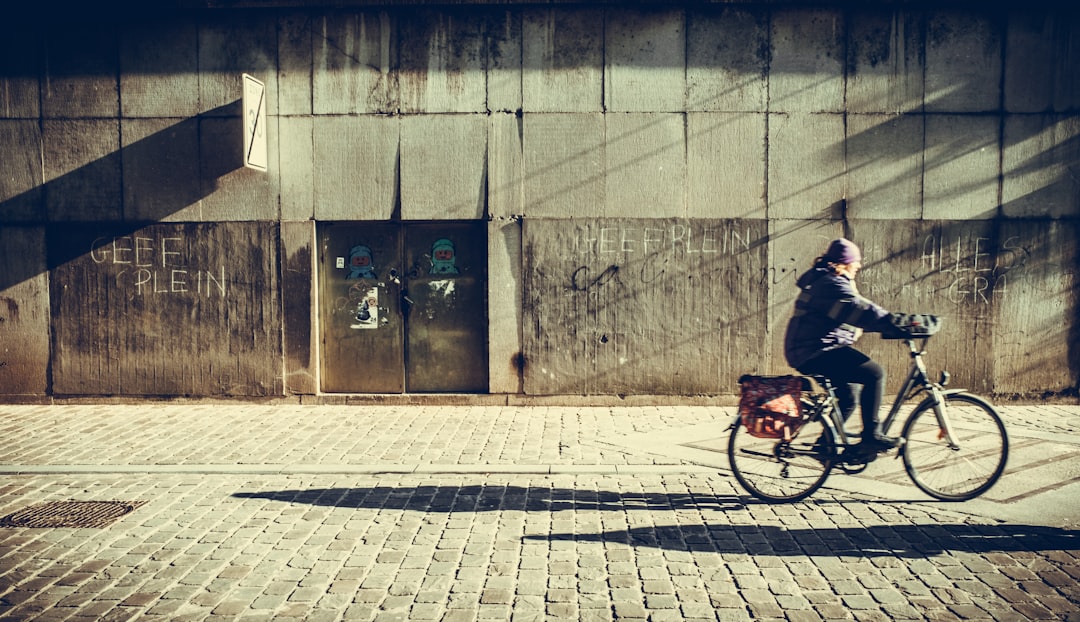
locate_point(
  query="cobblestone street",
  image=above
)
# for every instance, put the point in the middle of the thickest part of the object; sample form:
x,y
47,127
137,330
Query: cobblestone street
x,y
466,513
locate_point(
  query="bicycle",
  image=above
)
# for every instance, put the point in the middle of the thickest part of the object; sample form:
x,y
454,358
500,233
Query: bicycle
x,y
953,443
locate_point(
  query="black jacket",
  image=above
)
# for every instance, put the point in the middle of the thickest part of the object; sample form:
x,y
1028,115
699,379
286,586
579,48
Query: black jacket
x,y
829,314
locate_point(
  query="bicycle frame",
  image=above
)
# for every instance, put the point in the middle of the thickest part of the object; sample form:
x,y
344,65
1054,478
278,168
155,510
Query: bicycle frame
x,y
917,382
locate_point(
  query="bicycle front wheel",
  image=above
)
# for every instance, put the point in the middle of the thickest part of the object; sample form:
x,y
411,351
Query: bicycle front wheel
x,y
964,471
778,471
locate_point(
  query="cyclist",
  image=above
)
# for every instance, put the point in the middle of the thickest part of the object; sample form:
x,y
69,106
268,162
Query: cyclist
x,y
829,318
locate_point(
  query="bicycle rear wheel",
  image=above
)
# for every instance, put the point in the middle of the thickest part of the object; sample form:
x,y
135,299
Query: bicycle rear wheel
x,y
777,471
962,472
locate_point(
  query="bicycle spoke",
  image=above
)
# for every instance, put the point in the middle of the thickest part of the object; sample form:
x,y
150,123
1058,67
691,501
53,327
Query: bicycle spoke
x,y
955,473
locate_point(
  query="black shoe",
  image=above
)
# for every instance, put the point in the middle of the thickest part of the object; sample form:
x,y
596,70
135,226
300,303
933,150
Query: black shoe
x,y
880,442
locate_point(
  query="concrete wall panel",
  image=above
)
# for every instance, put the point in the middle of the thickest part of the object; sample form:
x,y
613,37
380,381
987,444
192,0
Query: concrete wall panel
x,y
24,312
1042,62
961,167
643,54
616,306
298,277
884,161
945,268
885,62
160,162
562,60
296,165
1041,160
806,165
505,167
442,166
443,62
504,77
230,191
21,53
504,318
355,167
159,69
646,165
21,197
727,59
564,159
725,155
230,46
1036,340
82,169
355,58
963,62
185,309
81,67
806,73
296,37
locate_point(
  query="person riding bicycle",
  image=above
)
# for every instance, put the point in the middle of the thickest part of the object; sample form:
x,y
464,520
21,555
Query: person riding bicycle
x,y
829,318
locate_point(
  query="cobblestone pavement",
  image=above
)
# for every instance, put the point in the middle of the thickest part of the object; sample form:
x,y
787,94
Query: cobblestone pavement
x,y
268,512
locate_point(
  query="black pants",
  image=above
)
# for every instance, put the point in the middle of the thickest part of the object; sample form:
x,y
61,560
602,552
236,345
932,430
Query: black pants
x,y
846,367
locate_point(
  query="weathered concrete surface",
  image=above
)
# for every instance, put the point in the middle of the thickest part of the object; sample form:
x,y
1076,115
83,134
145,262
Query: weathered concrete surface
x,y
21,171
504,319
186,309
1040,160
725,165
727,56
24,311
837,113
232,45
806,73
564,160
20,66
562,61
885,62
963,62
354,169
641,47
355,54
505,166
231,191
161,163
148,46
615,305
960,167
442,167
884,166
646,165
82,170
296,166
806,164
1041,63
298,296
443,61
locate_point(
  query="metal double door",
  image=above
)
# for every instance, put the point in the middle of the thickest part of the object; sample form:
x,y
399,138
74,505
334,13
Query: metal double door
x,y
403,307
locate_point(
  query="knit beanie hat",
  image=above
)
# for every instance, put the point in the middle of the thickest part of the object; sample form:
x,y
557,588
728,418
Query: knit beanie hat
x,y
843,251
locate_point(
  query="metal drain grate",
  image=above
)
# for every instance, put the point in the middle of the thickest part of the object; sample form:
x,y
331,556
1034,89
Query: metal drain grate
x,y
70,514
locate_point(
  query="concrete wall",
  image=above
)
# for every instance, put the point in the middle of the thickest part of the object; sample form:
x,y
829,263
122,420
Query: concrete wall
x,y
654,177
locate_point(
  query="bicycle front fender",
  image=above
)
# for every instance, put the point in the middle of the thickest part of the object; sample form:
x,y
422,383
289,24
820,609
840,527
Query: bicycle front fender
x,y
934,403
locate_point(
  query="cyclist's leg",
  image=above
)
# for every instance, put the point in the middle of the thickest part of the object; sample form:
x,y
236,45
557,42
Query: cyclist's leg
x,y
846,366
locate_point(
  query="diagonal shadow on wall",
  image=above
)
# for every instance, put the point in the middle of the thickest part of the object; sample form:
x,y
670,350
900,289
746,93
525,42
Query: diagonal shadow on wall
x,y
156,176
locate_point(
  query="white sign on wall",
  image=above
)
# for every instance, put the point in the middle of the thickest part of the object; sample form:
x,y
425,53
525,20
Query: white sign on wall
x,y
254,102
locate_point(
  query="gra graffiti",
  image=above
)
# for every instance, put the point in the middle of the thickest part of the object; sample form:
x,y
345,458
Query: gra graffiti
x,y
155,266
